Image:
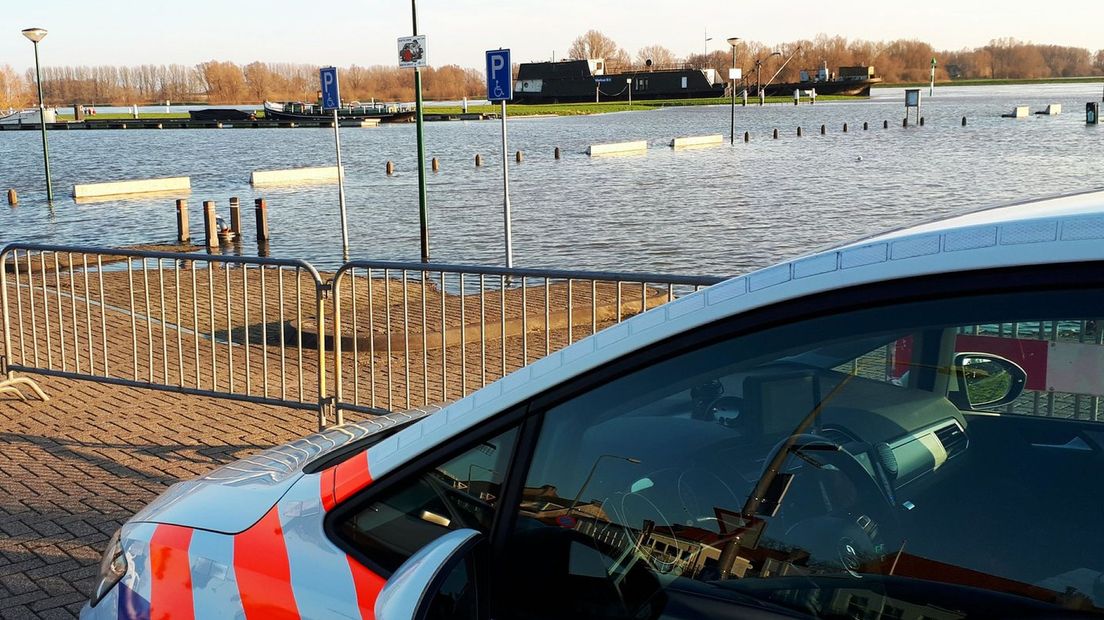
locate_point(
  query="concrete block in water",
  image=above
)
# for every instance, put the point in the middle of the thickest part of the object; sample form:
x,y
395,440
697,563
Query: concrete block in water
x,y
1053,109
144,186
1020,111
294,175
618,148
696,141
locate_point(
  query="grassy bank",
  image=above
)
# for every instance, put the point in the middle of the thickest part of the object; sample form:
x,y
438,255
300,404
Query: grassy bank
x,y
994,82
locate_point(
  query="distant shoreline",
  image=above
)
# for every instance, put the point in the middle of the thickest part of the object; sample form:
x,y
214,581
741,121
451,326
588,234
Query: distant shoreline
x,y
996,82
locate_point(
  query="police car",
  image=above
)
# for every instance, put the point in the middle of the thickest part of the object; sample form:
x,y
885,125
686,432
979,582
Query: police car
x,y
905,427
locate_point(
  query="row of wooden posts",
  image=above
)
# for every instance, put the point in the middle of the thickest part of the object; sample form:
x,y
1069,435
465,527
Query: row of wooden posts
x,y
435,163
211,232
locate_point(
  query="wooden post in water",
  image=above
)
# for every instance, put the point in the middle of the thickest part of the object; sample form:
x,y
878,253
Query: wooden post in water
x,y
798,132
235,217
823,130
183,232
921,121
436,164
556,153
963,121
261,208
747,136
866,126
13,198
390,168
518,157
885,124
478,160
210,227
845,128
775,133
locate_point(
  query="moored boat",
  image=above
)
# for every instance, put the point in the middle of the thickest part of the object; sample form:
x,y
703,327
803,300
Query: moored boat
x,y
296,111
851,81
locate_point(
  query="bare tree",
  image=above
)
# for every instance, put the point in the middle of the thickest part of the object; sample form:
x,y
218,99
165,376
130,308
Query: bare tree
x,y
594,44
659,55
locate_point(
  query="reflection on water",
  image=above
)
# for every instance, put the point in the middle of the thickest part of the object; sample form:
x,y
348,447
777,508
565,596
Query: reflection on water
x,y
717,211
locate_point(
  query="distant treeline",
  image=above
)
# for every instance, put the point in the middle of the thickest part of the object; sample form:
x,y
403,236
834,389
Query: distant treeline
x,y
894,61
218,82
226,82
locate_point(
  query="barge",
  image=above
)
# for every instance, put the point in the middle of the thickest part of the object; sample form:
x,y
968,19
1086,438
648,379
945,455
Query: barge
x,y
300,112
568,81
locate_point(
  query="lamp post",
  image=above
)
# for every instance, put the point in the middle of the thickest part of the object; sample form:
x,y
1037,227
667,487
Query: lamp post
x,y
759,74
594,468
732,84
628,85
35,35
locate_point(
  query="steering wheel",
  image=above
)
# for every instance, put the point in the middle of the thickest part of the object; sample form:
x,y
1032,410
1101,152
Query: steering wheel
x,y
849,537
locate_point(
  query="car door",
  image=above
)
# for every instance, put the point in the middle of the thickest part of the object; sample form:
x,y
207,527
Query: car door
x,y
780,463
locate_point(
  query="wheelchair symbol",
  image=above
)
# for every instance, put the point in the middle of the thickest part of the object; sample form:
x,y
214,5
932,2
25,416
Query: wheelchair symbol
x,y
498,92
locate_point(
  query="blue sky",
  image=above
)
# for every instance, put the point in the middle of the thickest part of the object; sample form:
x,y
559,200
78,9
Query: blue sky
x,y
364,32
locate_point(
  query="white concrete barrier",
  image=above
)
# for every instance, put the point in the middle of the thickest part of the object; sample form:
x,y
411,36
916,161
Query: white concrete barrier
x,y
1053,109
294,175
1020,111
696,141
145,186
617,148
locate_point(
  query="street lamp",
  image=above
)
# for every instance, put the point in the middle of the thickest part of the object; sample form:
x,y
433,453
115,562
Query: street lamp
x,y
731,84
628,85
759,73
594,468
35,35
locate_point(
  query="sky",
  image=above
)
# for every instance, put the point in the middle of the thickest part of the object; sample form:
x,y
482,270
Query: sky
x,y
346,32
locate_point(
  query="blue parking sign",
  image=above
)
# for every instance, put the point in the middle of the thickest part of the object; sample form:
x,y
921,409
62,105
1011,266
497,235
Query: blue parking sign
x,y
500,85
331,96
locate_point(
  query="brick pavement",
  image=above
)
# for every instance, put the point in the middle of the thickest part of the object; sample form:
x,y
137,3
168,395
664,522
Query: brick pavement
x,y
74,468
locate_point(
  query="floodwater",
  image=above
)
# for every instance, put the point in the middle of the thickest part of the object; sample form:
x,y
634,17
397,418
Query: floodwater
x,y
715,211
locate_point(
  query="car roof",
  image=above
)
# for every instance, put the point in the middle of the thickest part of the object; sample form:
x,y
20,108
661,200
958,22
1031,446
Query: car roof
x,y
1048,231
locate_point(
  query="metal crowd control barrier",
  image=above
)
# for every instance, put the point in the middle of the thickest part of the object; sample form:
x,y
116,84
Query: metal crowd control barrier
x,y
406,334
255,329
202,324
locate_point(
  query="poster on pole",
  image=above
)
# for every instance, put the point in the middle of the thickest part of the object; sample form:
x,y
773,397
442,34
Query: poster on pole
x,y
412,51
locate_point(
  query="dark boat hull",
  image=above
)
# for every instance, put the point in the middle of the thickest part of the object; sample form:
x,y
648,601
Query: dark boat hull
x,y
849,88
572,81
402,116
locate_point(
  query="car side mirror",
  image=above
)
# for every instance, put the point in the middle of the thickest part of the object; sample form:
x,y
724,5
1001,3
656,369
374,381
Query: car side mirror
x,y
439,581
987,381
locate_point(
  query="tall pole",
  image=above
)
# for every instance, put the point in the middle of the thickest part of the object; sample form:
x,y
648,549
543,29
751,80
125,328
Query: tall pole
x,y
758,76
341,189
422,212
42,124
931,89
506,194
732,85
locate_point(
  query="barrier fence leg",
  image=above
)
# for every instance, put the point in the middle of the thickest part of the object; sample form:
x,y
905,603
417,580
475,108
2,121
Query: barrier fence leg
x,y
8,381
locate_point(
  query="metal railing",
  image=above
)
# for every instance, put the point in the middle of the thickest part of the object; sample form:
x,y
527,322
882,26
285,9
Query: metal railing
x,y
202,324
408,335
256,329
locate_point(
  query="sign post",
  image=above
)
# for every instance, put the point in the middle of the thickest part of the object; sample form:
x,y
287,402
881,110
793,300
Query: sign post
x,y
500,88
931,89
912,100
331,100
412,54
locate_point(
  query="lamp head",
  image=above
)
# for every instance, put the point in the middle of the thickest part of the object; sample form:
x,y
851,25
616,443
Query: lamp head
x,y
35,34
732,41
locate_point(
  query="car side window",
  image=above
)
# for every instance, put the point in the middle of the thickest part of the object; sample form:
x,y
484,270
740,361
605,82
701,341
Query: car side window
x,y
461,492
826,466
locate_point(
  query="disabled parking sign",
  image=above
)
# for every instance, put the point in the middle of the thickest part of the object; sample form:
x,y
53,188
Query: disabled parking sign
x,y
500,85
331,96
